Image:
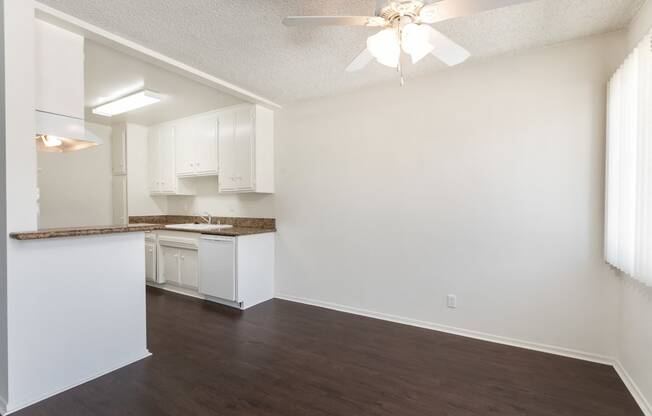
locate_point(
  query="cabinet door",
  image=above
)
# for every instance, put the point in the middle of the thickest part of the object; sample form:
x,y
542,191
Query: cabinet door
x,y
119,150
185,148
168,174
119,200
205,133
217,265
188,268
150,261
153,160
226,141
244,149
168,270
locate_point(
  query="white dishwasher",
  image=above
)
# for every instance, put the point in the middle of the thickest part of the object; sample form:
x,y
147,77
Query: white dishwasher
x,y
217,267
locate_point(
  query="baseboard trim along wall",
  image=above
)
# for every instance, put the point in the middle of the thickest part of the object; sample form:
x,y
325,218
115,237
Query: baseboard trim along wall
x,y
566,352
643,403
551,349
10,410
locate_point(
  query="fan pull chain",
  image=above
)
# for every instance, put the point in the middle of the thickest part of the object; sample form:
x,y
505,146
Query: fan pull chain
x,y
399,67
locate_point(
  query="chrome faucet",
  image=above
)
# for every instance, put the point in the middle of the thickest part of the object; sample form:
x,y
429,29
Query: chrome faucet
x,y
206,216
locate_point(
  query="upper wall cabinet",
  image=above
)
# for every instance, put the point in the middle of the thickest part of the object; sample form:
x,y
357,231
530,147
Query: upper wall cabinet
x,y
246,149
59,81
196,146
119,150
161,162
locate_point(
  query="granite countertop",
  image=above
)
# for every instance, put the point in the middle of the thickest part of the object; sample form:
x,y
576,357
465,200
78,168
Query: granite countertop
x,y
82,231
241,226
226,232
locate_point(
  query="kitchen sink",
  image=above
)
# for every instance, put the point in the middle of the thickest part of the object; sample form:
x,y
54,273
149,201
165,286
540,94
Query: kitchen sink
x,y
199,227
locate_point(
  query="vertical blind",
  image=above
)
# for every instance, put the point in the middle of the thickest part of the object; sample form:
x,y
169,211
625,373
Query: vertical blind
x,y
628,222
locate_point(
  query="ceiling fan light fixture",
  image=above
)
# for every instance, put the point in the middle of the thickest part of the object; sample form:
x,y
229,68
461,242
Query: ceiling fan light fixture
x,y
385,47
415,41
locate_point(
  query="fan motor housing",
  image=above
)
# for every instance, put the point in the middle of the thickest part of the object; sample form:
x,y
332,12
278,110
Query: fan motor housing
x,y
395,9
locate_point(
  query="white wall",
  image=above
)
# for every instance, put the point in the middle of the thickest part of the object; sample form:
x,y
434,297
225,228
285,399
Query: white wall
x,y
139,201
78,319
19,164
485,181
224,205
635,349
76,187
641,24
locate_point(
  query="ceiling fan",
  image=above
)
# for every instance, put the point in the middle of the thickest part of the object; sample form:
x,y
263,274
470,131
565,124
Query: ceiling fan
x,y
406,27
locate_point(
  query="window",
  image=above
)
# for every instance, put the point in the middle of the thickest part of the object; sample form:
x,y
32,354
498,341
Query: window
x,y
628,222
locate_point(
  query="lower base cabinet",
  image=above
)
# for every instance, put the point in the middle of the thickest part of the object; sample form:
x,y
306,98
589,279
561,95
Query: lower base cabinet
x,y
235,271
178,260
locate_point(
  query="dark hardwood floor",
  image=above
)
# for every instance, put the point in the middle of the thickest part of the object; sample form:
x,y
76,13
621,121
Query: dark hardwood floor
x,y
284,358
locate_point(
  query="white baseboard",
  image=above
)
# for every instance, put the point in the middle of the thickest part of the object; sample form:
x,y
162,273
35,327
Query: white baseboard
x,y
566,352
643,403
11,409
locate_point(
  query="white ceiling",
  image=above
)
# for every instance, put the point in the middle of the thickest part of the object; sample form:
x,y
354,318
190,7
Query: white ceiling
x,y
110,74
244,42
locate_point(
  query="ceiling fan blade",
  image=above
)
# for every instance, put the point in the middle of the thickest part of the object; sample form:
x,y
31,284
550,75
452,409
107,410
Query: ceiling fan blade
x,y
451,9
334,21
445,49
360,61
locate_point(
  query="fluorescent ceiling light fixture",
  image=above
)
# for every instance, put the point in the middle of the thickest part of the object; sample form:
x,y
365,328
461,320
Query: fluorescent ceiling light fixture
x,y
130,102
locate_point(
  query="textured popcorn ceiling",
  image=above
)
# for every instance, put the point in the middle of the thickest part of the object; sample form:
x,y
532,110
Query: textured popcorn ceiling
x,y
244,42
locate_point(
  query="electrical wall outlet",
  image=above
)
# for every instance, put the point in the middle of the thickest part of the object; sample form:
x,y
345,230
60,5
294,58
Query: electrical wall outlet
x,y
451,301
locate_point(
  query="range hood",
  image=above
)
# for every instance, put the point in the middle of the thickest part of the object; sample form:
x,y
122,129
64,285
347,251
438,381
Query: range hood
x,y
59,90
57,133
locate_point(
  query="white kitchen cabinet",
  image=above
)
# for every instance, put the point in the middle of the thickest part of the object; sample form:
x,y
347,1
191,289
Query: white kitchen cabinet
x,y
150,259
167,173
185,148
119,150
119,200
162,163
178,260
59,70
188,268
226,132
246,149
168,269
197,147
237,271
